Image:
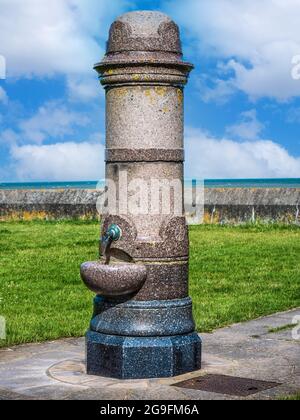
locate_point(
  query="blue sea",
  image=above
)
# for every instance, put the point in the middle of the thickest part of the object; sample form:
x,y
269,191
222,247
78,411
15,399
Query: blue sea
x,y
216,183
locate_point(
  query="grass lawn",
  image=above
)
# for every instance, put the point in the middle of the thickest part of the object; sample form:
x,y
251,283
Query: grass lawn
x,y
236,274
295,397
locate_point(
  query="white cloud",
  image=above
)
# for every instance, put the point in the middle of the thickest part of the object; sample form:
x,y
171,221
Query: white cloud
x,y
249,127
84,88
58,162
40,38
256,39
209,157
293,115
3,96
52,39
221,91
2,67
30,159
52,120
9,137
60,37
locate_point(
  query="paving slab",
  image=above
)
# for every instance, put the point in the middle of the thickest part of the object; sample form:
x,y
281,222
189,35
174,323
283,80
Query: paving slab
x,y
56,370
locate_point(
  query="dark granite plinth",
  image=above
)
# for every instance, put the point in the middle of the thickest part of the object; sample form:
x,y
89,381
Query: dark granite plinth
x,y
142,358
143,319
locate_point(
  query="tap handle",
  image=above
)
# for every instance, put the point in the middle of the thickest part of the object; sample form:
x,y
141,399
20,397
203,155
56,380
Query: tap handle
x,y
114,233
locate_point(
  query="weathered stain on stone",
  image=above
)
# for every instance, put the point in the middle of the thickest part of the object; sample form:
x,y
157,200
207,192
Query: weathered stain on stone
x,y
180,96
161,91
149,94
121,92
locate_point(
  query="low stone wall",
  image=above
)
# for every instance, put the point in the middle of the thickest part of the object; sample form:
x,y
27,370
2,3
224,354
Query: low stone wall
x,y
243,205
221,205
48,204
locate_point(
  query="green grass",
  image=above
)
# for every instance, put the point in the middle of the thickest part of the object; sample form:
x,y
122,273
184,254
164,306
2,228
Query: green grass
x,y
236,274
291,398
240,273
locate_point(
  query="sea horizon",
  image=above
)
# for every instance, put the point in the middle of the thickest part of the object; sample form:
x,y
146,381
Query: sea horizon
x,y
209,183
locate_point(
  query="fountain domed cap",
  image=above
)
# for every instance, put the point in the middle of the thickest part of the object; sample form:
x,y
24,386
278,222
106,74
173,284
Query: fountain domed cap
x,y
141,46
144,31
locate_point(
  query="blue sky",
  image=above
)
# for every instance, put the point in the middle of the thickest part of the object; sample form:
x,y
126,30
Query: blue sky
x,y
242,102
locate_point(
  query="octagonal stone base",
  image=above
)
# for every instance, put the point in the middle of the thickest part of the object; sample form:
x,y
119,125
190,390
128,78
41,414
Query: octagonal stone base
x,y
140,357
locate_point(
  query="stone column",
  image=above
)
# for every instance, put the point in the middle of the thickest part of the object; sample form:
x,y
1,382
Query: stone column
x,y
148,333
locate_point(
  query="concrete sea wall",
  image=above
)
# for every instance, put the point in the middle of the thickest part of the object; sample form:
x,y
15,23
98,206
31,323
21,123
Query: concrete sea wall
x,y
230,205
241,205
48,204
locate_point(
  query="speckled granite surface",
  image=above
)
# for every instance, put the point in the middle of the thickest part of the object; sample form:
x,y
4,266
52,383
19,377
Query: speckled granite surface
x,y
124,357
152,333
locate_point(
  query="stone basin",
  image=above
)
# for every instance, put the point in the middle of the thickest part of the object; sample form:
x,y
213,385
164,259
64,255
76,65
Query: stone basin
x,y
116,279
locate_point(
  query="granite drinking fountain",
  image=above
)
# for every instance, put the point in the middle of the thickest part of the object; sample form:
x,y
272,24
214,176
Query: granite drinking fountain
x,y
143,326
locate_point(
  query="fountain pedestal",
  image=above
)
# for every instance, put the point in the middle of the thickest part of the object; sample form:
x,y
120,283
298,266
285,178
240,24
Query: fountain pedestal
x,y
143,324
